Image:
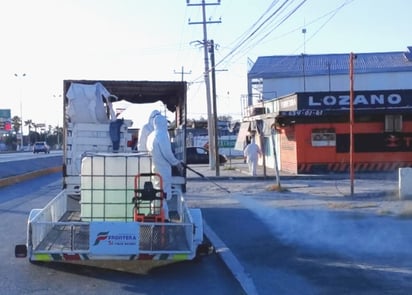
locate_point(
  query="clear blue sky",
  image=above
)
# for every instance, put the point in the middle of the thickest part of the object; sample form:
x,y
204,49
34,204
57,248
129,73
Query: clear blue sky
x,y
51,40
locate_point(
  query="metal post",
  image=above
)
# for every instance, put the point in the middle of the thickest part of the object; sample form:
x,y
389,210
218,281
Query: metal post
x,y
215,129
272,136
351,122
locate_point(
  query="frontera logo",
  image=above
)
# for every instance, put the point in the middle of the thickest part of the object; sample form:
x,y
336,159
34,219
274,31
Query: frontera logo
x,y
101,236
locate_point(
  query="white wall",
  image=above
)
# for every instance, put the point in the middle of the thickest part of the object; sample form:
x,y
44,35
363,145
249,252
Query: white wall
x,y
270,160
370,81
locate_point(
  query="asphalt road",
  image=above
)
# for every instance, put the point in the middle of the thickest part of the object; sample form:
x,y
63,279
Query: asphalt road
x,y
311,239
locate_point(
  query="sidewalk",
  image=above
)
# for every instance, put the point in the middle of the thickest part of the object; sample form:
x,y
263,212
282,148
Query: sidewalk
x,y
237,168
373,192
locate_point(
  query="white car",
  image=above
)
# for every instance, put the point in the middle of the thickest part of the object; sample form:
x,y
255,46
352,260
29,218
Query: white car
x,y
41,147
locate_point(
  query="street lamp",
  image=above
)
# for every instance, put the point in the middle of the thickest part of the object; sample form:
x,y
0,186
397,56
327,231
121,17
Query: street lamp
x,y
58,130
21,76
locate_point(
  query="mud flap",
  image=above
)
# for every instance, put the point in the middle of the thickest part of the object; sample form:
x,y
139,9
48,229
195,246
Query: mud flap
x,y
20,251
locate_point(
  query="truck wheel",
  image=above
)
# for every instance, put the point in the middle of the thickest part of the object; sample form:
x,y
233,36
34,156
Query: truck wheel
x,y
204,249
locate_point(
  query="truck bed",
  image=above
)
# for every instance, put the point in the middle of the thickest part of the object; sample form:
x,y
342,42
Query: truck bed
x,y
68,234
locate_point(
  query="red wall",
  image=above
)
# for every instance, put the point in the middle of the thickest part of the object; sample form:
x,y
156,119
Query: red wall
x,y
298,154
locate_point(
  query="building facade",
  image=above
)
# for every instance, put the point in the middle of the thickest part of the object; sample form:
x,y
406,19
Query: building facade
x,y
304,102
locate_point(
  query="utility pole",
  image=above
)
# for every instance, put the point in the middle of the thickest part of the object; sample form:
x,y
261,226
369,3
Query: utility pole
x,y
210,123
216,130
182,72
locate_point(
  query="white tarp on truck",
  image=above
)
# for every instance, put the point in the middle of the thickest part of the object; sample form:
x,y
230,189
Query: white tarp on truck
x,y
86,103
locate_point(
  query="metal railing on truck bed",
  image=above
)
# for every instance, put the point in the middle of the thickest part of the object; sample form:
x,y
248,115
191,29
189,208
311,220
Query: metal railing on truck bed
x,y
56,232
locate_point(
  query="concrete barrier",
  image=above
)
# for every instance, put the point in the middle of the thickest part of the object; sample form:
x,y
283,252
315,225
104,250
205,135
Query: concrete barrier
x,y
405,183
18,178
21,170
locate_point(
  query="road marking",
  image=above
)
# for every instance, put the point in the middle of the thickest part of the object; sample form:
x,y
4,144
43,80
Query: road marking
x,y
231,261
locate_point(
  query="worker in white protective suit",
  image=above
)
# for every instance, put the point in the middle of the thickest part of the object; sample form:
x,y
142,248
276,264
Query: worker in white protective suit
x,y
252,153
146,130
159,146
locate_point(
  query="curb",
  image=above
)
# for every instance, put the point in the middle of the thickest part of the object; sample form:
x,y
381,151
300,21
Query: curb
x,y
331,176
230,261
19,178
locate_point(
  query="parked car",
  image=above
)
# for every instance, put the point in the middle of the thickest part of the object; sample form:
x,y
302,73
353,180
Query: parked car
x,y
41,147
200,155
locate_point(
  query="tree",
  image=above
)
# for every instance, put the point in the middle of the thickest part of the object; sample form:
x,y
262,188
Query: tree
x,y
11,142
30,124
16,122
57,136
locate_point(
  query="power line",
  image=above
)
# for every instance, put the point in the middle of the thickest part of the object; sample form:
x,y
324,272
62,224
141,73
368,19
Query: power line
x,y
331,13
269,18
247,32
251,35
334,12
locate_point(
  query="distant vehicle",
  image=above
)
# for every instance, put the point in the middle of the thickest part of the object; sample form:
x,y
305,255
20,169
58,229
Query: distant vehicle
x,y
41,147
200,155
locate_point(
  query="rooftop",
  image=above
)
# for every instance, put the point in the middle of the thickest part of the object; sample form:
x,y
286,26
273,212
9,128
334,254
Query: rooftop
x,y
281,66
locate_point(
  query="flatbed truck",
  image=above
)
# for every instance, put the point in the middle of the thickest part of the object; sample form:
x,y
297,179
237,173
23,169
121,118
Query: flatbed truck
x,y
104,211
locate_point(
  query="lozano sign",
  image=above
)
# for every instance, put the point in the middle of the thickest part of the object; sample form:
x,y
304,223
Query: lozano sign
x,y
343,100
365,99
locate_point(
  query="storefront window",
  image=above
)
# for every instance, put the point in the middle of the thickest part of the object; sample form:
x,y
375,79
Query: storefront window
x,y
393,123
323,137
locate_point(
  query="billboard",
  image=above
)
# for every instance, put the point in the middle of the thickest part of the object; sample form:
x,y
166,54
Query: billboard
x,y
5,113
5,119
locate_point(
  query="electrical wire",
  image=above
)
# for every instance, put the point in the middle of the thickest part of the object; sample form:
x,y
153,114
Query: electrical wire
x,y
255,30
242,42
279,24
250,38
331,15
231,57
334,12
251,28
